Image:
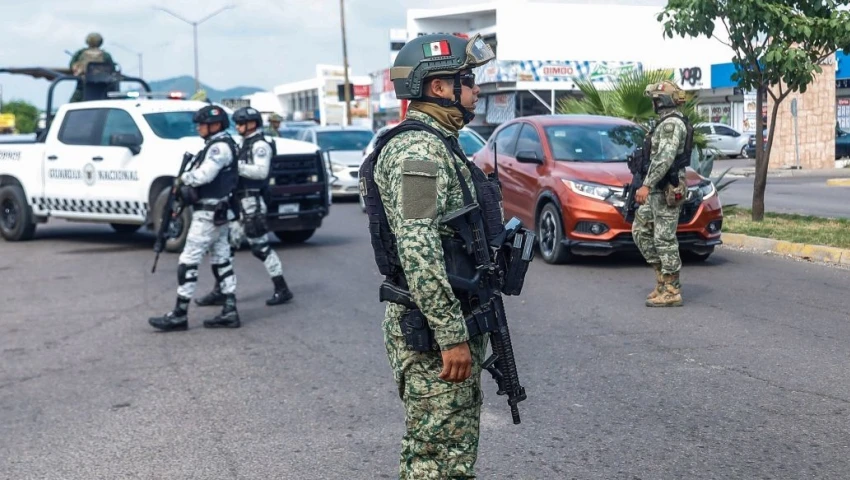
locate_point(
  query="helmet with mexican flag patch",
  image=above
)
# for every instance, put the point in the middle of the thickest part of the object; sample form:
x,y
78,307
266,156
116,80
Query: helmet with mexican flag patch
x,y
435,55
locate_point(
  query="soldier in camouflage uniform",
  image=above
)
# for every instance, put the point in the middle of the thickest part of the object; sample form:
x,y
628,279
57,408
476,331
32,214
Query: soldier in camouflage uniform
x,y
657,218
82,57
274,126
418,184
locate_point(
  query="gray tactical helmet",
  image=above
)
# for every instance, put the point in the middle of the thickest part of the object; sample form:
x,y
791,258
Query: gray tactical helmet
x,y
435,55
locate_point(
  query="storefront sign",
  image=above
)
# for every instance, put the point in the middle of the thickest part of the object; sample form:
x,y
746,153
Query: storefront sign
x,y
551,71
694,77
842,112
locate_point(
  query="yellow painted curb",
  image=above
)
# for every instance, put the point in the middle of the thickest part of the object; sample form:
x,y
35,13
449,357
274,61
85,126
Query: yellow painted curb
x,y
800,250
838,182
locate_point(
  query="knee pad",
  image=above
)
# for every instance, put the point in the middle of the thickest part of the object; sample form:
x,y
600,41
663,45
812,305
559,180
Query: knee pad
x,y
261,250
222,271
186,273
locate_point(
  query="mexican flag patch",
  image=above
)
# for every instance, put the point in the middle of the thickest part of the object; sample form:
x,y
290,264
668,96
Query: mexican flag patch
x,y
436,49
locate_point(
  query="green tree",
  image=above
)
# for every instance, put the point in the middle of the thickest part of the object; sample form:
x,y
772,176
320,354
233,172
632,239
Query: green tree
x,y
777,44
26,115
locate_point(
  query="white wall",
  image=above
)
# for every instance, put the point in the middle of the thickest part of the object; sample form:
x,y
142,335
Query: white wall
x,y
593,32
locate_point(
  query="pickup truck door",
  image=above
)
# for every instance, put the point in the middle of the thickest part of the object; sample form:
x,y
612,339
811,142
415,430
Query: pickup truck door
x,y
117,186
67,179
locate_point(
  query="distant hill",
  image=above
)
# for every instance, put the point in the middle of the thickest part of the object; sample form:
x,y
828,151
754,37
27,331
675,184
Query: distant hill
x,y
186,84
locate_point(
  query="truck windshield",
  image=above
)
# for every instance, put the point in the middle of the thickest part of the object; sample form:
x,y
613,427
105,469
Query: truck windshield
x,y
175,125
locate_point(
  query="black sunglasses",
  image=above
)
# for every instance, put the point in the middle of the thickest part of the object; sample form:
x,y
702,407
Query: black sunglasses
x,y
468,80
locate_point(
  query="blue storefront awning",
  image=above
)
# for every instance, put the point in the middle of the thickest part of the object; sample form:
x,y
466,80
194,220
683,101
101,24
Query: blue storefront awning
x,y
721,75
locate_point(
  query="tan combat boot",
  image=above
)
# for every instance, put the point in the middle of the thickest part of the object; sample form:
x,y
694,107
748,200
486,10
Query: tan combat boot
x,y
670,294
659,281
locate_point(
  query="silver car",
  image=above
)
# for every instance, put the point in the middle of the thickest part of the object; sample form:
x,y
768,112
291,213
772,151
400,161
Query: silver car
x,y
725,139
343,148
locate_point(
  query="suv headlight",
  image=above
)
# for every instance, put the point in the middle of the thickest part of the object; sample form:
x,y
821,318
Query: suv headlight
x,y
605,193
705,190
337,167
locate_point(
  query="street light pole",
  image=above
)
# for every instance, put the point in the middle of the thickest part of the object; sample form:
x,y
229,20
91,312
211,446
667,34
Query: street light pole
x,y
141,75
347,87
194,25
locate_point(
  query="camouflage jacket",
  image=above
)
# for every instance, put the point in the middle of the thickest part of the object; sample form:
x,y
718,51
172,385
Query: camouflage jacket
x,y
668,140
76,56
416,176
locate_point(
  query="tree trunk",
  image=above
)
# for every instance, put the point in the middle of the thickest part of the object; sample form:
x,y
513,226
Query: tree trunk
x,y
763,153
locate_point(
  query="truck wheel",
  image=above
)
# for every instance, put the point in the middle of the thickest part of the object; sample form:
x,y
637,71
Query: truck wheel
x,y
124,228
172,245
16,219
550,232
298,236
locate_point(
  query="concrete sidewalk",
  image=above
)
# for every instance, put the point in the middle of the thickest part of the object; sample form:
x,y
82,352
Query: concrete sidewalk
x,y
829,173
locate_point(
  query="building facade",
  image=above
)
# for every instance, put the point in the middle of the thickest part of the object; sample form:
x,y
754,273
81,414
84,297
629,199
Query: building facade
x,y
321,98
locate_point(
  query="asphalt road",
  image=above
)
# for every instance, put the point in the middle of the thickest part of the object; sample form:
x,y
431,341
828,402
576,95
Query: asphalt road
x,y
804,194
748,381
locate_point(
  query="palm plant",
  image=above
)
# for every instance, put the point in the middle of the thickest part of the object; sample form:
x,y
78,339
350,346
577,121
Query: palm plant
x,y
626,99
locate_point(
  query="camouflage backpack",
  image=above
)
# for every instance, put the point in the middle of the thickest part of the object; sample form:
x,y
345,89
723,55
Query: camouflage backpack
x,y
87,56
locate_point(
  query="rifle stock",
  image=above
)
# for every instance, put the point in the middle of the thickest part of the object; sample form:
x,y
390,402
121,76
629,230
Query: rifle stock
x,y
169,212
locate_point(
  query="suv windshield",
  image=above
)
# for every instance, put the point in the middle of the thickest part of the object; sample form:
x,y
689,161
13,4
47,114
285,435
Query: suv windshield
x,y
344,139
176,125
593,143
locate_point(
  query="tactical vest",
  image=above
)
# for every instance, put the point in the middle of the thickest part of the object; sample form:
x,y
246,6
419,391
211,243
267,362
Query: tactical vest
x,y
683,159
87,56
246,155
488,196
228,177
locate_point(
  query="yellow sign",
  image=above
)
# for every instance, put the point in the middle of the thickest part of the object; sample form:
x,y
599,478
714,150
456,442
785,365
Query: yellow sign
x,y
7,121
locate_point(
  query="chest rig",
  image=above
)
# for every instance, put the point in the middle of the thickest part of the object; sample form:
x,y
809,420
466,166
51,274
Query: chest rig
x,y
227,178
682,160
246,155
487,195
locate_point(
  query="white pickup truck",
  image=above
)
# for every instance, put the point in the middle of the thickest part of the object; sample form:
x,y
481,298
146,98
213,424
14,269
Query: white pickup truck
x,y
113,161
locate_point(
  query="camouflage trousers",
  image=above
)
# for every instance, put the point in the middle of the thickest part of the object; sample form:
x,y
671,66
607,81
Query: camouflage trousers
x,y
257,239
654,232
442,418
205,237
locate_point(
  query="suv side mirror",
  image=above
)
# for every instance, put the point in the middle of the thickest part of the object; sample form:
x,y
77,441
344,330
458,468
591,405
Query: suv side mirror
x,y
528,156
129,140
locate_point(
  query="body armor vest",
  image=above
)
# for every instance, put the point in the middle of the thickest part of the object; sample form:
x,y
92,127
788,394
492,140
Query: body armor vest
x,y
226,180
683,159
246,156
488,196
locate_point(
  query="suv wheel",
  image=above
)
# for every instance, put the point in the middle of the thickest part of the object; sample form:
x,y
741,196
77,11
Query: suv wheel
x,y
550,231
172,245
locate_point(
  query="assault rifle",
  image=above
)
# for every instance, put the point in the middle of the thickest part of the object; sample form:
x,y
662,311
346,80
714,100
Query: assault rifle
x,y
638,165
170,211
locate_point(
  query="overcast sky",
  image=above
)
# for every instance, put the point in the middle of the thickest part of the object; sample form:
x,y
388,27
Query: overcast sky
x,y
259,43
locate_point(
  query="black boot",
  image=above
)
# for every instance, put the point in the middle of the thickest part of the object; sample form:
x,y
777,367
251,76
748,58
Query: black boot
x,y
281,292
174,320
213,298
228,318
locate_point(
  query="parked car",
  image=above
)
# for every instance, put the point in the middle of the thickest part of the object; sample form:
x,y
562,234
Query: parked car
x,y
842,143
563,176
343,147
724,139
292,129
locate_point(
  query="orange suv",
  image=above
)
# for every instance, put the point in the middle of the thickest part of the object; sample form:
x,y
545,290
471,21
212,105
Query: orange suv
x,y
564,174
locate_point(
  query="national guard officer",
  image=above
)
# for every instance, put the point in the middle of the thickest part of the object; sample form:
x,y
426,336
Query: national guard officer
x,y
207,187
420,181
663,193
255,158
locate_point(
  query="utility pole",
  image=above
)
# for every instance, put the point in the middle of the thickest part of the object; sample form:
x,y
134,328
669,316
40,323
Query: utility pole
x,y
195,34
347,87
